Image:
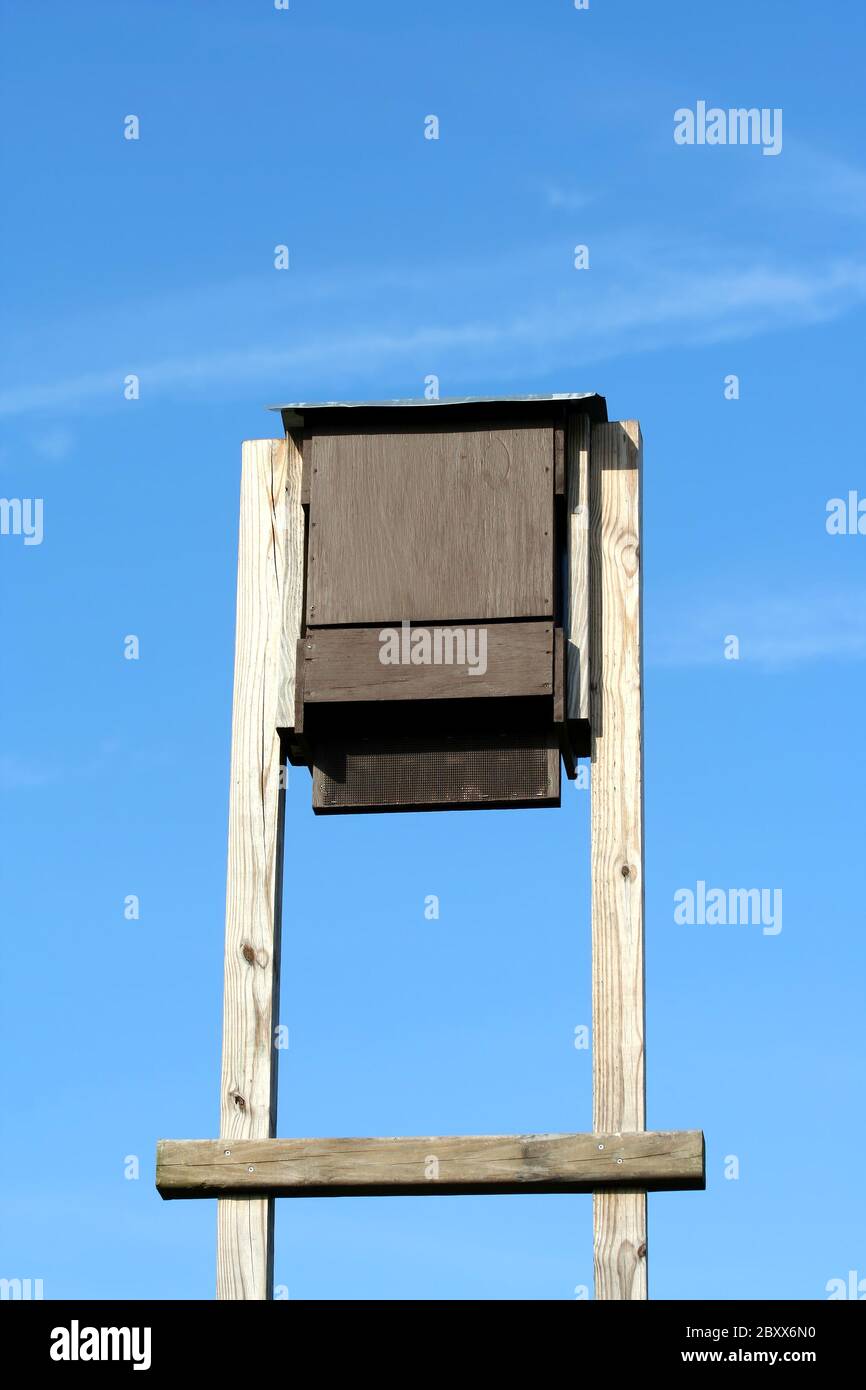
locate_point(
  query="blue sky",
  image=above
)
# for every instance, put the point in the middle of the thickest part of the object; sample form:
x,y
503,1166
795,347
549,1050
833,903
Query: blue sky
x,y
411,257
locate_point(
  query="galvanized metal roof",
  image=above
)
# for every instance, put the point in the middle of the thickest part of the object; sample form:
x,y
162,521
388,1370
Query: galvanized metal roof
x,y
296,413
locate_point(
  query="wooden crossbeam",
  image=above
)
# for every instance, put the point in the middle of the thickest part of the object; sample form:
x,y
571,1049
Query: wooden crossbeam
x,y
434,1166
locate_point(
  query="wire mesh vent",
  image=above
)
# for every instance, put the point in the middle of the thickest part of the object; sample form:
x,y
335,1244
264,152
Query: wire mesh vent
x,y
438,774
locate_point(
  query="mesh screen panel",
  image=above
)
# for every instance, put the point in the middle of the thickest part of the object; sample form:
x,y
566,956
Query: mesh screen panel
x,y
446,773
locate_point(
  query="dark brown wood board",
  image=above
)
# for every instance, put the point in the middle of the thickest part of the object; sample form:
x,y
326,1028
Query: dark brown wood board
x,y
345,664
436,773
448,526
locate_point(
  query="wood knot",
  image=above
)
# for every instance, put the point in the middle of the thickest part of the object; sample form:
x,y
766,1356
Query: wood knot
x,y
641,1250
626,871
239,1100
249,954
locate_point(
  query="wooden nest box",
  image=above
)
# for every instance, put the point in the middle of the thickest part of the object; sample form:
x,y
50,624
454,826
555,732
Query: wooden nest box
x,y
445,594
435,602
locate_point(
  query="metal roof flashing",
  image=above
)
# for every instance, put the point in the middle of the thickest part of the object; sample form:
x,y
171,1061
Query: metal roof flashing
x,y
298,413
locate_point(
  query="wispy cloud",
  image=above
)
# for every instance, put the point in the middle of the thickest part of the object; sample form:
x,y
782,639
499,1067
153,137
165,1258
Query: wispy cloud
x,y
30,773
570,199
819,180
53,444
18,774
775,631
639,296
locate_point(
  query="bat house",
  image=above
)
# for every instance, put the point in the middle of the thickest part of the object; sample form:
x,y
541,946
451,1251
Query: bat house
x,y
428,593
437,660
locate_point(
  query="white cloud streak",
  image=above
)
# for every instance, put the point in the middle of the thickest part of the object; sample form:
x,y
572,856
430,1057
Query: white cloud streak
x,y
661,296
775,631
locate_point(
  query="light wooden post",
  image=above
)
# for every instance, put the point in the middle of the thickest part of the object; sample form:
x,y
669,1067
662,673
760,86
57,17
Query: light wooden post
x,y
619,1095
270,570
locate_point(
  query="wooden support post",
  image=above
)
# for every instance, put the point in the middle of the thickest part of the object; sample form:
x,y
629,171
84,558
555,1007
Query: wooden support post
x,y
270,568
619,1098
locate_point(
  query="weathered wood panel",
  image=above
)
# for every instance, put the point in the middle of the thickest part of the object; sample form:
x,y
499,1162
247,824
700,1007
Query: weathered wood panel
x,y
559,461
560,704
437,1165
289,561
559,676
619,1100
577,518
263,655
450,526
465,661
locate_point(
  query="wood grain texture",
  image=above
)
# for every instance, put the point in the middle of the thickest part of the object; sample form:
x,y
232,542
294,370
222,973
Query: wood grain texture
x,y
289,561
577,520
560,704
559,676
620,1257
559,461
435,1165
344,664
453,526
619,1099
263,651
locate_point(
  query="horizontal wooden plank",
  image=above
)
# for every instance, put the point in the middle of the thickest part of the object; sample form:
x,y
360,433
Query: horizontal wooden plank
x,y
435,1166
422,662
